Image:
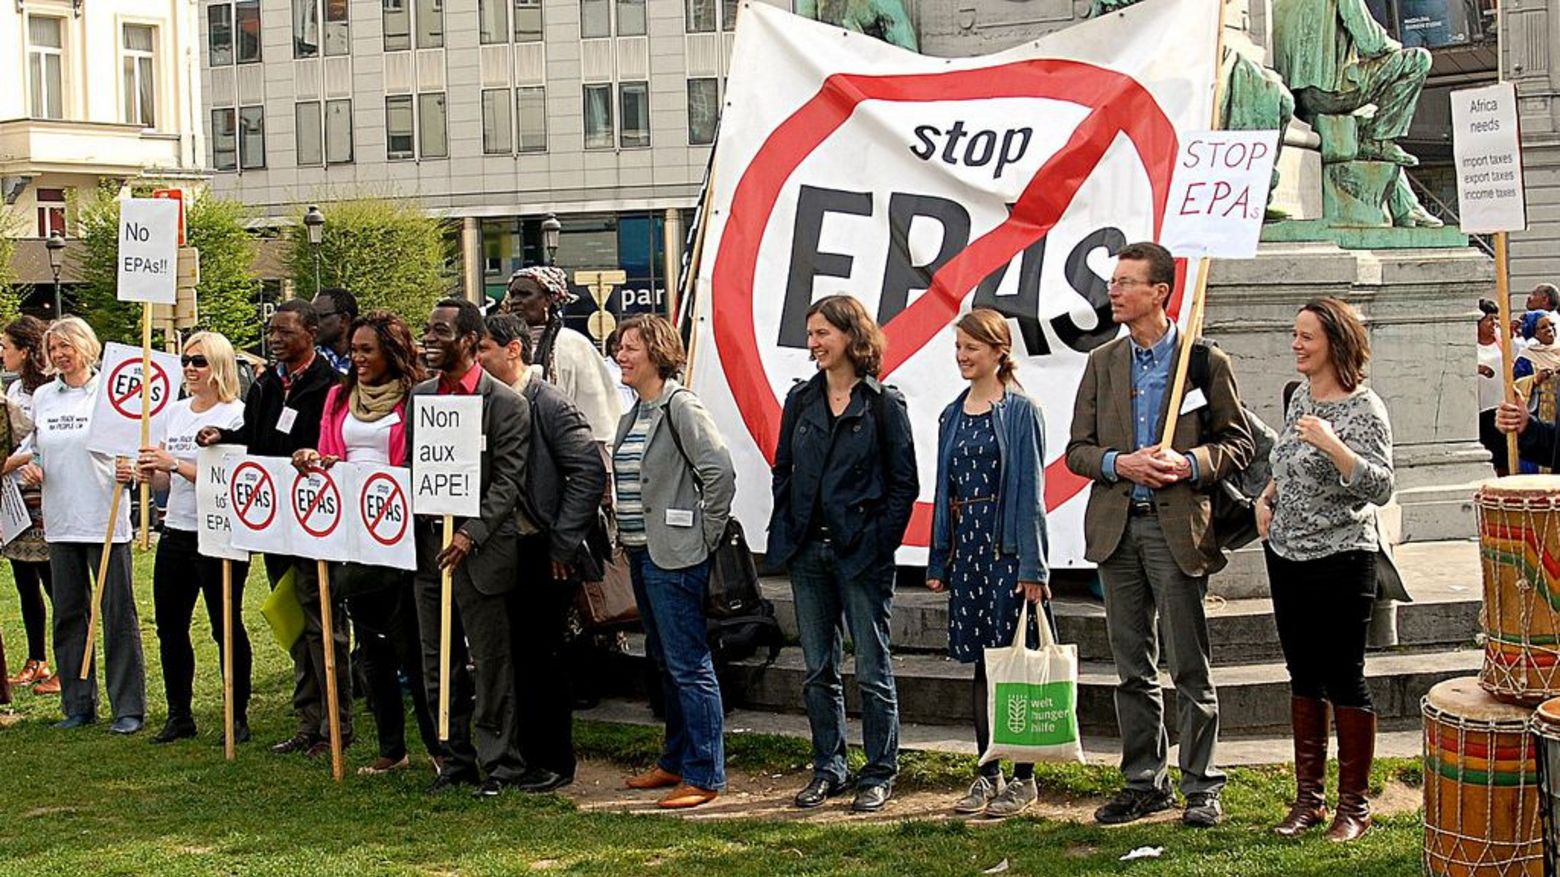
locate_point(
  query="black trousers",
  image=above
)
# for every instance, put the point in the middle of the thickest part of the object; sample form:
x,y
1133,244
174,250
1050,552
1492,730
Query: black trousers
x,y
1322,608
180,576
308,652
543,682
32,583
1493,441
384,621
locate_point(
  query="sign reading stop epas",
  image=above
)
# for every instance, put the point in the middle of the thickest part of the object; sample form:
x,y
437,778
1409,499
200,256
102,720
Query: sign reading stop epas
x,y
116,412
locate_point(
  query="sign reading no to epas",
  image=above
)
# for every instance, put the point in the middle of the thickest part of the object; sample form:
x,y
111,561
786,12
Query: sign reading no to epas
x,y
447,455
148,257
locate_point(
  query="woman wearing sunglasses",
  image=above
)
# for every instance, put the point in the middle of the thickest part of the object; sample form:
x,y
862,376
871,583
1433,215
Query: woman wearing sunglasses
x,y
211,378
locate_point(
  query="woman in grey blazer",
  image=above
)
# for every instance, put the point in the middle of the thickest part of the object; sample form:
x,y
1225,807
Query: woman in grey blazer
x,y
674,487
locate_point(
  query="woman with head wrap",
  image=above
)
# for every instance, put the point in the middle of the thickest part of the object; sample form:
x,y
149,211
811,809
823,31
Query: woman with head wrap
x,y
569,360
1535,369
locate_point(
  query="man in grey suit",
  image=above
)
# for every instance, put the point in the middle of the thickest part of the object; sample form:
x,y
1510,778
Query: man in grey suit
x,y
484,724
1147,526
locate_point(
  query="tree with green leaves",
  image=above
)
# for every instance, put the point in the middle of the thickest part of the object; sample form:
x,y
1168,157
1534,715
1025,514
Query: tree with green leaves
x,y
10,296
386,251
96,261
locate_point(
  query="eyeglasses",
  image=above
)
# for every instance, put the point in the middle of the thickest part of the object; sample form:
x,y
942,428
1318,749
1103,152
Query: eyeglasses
x,y
1127,282
198,361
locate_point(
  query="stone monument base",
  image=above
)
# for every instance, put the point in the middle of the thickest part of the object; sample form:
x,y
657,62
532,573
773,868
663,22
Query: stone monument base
x,y
1353,238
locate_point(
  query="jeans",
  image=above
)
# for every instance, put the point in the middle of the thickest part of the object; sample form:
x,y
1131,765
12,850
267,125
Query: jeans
x,y
671,608
822,598
181,575
1335,594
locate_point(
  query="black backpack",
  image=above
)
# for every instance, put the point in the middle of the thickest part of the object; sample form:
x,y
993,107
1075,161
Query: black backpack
x,y
1233,499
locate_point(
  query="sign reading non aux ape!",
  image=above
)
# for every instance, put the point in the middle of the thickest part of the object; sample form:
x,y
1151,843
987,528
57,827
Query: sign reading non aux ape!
x,y
447,443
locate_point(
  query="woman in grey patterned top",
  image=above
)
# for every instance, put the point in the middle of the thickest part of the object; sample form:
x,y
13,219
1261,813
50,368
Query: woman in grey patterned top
x,y
1331,464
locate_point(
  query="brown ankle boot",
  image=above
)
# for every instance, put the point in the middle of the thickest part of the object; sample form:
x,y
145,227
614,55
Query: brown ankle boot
x,y
1356,750
1308,718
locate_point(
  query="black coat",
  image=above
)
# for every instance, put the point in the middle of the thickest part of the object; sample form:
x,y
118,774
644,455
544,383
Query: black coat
x,y
565,479
867,480
263,409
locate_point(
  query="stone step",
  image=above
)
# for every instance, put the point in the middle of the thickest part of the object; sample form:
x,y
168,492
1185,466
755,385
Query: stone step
x,y
1442,577
1253,698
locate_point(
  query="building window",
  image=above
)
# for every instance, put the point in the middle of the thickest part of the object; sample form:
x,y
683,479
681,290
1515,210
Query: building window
x,y
531,107
219,34
310,132
703,110
306,28
140,76
728,17
709,16
226,22
431,131
224,140
630,18
497,124
338,131
598,117
338,32
430,24
51,212
45,66
595,19
251,137
399,137
528,21
493,21
634,98
246,14
398,25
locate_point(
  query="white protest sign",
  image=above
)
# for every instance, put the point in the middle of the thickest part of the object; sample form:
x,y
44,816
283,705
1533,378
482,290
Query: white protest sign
x,y
14,519
213,505
1219,193
1487,148
447,455
148,250
318,502
382,517
257,487
116,414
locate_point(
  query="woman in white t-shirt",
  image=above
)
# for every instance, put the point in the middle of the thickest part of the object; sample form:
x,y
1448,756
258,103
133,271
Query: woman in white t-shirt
x,y
78,488
365,422
181,575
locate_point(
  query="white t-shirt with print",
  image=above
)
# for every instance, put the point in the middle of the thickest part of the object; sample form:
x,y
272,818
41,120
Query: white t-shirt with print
x,y
78,485
183,425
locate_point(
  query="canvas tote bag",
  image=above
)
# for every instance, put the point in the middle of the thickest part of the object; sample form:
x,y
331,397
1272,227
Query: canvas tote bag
x,y
1032,698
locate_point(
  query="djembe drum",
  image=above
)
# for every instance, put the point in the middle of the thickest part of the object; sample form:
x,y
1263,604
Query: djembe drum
x,y
1546,734
1481,785
1519,547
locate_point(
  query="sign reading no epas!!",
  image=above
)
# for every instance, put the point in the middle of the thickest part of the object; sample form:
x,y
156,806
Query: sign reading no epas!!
x,y
447,444
148,257
115,427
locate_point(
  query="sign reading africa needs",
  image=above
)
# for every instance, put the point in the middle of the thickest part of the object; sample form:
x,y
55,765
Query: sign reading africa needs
x,y
116,414
447,455
1006,182
1220,193
148,250
1487,149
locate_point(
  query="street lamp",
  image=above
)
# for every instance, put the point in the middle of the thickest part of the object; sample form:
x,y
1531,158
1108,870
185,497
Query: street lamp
x,y
551,229
56,247
314,224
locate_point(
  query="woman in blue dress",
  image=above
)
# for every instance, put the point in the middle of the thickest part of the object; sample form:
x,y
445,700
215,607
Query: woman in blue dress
x,y
988,529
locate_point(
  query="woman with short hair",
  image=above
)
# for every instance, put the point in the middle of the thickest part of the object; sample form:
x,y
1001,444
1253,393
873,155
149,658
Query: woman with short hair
x,y
675,483
78,488
1331,463
21,350
844,486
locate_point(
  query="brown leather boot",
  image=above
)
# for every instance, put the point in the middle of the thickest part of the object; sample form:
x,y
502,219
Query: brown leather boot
x,y
1356,750
1308,719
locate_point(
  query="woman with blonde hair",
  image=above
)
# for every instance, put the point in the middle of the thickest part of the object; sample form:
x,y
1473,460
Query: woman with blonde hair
x,y
988,529
844,486
181,574
78,487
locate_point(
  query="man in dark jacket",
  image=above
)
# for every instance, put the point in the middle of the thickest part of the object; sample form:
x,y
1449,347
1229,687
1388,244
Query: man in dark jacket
x,y
560,506
482,559
282,414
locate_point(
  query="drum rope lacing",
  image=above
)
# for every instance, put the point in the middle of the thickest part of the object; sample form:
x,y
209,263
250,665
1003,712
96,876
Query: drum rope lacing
x,y
1478,855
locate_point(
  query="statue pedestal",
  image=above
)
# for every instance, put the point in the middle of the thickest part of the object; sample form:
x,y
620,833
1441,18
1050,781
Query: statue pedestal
x,y
1354,193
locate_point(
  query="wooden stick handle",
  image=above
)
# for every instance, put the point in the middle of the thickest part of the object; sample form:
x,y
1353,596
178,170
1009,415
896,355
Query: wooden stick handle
x,y
102,576
1508,382
146,419
1183,362
332,696
229,736
445,600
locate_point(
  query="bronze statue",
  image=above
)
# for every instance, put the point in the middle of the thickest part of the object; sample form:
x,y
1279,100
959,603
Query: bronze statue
x,y
886,20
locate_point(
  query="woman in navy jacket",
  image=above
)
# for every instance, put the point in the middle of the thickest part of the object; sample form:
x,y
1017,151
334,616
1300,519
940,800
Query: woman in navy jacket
x,y
988,528
844,486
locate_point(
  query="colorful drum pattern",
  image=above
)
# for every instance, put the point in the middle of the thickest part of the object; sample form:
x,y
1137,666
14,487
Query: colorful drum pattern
x,y
1519,547
1481,785
1546,735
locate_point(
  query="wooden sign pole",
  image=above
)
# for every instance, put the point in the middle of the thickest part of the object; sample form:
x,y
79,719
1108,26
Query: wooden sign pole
x,y
445,599
146,419
229,740
332,696
1503,303
102,576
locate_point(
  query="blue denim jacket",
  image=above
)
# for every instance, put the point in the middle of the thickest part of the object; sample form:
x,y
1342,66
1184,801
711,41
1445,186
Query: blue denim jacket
x,y
867,483
1020,429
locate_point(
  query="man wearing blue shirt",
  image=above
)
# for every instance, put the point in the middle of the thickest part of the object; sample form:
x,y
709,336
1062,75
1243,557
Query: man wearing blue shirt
x,y
1148,527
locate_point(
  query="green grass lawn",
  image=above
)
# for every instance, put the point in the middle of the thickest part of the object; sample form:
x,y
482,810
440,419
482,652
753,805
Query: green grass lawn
x,y
85,802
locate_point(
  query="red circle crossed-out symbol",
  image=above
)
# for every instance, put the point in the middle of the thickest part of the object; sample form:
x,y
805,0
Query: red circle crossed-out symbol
x,y
305,515
262,484
1118,104
121,403
394,497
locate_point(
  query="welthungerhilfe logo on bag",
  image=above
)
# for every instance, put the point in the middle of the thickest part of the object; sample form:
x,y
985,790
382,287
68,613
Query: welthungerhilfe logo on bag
x,y
1034,715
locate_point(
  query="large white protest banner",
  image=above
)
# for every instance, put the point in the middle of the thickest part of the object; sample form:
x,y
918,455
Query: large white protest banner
x,y
447,455
148,257
259,489
381,519
1219,193
318,501
213,504
1487,149
1006,181
14,519
116,413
